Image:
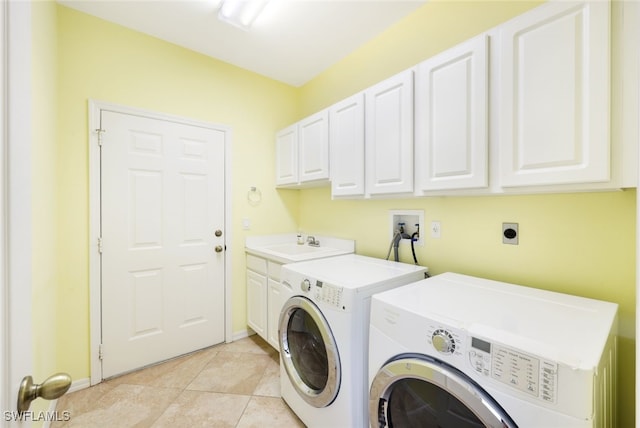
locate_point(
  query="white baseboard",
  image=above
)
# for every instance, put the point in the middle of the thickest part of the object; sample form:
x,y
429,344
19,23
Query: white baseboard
x,y
242,334
79,384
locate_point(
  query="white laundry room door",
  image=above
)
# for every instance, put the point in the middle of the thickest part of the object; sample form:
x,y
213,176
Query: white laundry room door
x,y
162,243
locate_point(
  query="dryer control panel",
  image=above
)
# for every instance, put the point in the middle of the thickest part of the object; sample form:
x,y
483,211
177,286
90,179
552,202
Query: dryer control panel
x,y
517,369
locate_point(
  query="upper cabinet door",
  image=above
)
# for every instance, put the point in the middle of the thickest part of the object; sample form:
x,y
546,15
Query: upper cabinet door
x,y
389,135
313,141
554,95
287,156
452,119
346,137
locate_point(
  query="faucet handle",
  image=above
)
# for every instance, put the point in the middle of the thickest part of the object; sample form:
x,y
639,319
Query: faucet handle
x,y
312,241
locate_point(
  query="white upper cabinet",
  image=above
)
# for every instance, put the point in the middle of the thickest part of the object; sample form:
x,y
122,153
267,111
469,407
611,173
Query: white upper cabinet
x,y
554,95
313,146
452,118
346,146
287,156
389,135
302,152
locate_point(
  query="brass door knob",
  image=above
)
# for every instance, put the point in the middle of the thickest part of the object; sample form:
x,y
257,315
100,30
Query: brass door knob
x,y
218,233
219,248
53,387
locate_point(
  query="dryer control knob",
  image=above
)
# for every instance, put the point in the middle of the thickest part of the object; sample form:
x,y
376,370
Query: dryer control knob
x,y
443,341
305,285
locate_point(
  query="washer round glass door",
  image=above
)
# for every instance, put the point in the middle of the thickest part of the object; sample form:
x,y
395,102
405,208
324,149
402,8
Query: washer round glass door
x,y
309,352
417,390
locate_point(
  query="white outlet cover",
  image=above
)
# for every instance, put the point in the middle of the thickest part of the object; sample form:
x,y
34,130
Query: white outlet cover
x,y
436,229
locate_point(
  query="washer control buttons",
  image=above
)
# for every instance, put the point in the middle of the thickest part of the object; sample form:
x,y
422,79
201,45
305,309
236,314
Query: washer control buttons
x,y
305,285
443,341
328,293
480,362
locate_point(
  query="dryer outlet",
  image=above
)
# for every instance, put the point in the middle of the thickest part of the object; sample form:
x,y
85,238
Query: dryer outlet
x,y
412,221
510,233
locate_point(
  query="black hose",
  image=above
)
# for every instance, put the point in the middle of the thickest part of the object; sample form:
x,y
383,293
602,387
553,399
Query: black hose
x,y
413,250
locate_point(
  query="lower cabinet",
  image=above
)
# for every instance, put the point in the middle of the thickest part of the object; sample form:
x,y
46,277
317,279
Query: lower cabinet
x,y
256,302
274,306
264,298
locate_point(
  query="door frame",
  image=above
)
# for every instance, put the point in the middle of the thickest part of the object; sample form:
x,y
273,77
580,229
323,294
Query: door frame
x,y
16,333
95,262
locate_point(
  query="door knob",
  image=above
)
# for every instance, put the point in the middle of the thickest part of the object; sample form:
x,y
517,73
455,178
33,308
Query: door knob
x,y
218,233
219,248
53,387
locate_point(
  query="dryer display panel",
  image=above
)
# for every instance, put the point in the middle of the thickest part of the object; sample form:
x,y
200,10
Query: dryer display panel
x,y
517,369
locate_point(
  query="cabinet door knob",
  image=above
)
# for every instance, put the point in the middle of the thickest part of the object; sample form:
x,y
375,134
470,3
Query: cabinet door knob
x,y
219,248
218,233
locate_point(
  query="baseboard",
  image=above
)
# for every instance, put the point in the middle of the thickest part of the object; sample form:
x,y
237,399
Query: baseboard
x,y
79,384
242,334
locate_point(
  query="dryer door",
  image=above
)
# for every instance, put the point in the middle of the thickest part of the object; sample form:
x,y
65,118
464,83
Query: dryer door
x,y
309,352
417,390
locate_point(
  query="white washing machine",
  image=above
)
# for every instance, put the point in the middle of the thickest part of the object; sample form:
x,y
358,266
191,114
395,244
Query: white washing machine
x,y
455,351
324,332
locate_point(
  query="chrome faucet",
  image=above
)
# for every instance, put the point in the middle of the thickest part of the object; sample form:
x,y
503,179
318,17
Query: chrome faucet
x,y
311,240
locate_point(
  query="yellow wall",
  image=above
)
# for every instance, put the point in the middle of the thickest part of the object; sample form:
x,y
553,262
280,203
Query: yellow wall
x,y
431,29
44,193
106,62
580,244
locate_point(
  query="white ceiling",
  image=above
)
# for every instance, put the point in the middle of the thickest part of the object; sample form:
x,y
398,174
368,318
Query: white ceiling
x,y
292,41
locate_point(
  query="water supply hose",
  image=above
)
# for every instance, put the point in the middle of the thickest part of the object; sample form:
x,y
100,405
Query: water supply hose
x,y
414,238
394,243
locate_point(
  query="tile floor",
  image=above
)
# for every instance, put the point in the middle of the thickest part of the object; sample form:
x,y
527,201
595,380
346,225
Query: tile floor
x,y
228,385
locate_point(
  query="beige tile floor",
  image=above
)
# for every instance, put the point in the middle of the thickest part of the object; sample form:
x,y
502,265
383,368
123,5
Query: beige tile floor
x,y
229,385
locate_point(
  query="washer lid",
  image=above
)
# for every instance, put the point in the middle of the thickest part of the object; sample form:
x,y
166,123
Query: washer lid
x,y
353,270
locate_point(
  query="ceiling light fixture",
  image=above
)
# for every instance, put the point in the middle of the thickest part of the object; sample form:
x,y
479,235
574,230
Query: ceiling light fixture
x,y
241,13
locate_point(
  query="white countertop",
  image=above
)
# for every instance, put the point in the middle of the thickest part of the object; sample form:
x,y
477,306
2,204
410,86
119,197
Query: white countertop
x,y
284,248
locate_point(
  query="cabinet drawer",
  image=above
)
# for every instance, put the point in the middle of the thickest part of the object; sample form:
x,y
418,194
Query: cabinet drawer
x,y
274,270
256,264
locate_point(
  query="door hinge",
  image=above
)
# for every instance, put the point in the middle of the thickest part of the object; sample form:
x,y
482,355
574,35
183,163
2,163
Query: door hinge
x,y
100,245
100,352
100,132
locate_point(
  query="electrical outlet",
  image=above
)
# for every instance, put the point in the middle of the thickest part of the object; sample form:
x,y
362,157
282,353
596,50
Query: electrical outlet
x,y
435,229
510,233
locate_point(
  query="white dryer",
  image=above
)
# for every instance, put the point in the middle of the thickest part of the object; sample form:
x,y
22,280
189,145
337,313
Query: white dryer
x,y
324,332
455,351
